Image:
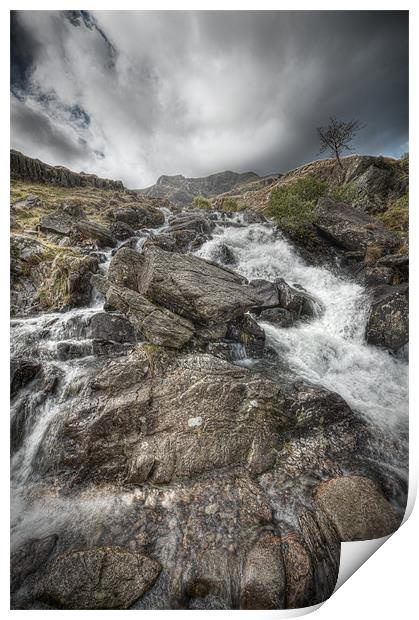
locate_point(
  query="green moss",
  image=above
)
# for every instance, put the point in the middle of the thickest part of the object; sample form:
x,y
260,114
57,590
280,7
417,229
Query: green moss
x,y
202,203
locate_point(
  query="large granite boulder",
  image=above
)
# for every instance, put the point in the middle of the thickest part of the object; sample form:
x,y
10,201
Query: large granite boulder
x,y
263,581
192,287
357,508
388,321
96,232
159,417
158,325
99,578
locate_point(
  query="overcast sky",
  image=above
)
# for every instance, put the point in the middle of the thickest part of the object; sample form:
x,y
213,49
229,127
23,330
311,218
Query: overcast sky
x,y
132,95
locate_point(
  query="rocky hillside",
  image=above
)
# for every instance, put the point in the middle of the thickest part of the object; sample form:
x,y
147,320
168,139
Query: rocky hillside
x,y
203,409
181,190
25,168
374,182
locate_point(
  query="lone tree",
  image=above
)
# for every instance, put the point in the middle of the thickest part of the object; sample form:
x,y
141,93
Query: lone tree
x,y
337,136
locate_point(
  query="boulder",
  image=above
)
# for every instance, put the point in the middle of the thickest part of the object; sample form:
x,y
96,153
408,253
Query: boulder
x,y
224,255
191,221
267,291
278,294
263,581
193,287
121,230
160,417
351,229
357,508
58,223
253,217
149,216
181,241
388,321
158,325
99,578
30,263
75,211
247,332
277,316
96,232
296,301
138,216
110,326
68,284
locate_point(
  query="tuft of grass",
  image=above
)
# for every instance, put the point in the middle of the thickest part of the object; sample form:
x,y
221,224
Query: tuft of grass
x,y
202,203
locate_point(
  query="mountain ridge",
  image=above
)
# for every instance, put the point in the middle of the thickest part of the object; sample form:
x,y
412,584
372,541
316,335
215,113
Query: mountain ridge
x,y
28,168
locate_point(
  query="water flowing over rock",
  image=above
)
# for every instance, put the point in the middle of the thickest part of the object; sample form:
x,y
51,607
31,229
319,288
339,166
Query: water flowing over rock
x,y
150,423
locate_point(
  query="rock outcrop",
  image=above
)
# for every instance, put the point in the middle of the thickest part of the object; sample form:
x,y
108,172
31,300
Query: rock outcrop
x,y
388,322
161,416
170,297
28,169
352,230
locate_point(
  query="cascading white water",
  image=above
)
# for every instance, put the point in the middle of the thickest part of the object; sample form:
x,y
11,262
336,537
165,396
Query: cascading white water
x,y
329,350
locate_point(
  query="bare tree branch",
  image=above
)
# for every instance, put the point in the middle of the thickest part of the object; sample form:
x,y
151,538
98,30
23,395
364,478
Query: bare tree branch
x,y
337,136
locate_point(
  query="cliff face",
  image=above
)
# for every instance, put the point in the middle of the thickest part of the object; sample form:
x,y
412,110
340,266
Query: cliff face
x,y
181,190
28,169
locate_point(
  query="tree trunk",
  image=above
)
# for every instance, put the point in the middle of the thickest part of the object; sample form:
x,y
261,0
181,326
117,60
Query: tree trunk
x,y
338,160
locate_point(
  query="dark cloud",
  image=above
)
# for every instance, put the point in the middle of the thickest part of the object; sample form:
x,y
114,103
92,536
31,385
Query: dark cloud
x,y
133,95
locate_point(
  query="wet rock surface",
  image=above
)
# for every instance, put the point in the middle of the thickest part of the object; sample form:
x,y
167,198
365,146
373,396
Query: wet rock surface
x,y
151,473
100,578
357,508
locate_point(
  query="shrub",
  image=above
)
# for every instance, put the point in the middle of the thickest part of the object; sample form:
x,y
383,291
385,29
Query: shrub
x,y
293,204
344,193
230,204
202,203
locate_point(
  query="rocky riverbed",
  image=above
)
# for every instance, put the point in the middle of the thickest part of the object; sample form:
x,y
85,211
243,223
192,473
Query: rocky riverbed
x,y
200,412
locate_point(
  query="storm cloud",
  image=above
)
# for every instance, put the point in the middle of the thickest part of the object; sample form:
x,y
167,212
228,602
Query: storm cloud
x,y
134,94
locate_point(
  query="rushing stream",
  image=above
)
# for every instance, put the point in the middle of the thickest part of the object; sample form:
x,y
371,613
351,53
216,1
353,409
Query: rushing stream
x,y
328,350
